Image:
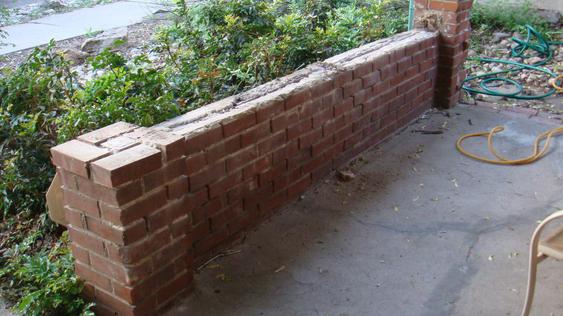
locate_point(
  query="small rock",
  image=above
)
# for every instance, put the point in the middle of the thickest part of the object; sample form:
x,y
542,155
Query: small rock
x,y
471,53
533,60
496,69
499,36
54,5
76,56
346,175
105,40
550,16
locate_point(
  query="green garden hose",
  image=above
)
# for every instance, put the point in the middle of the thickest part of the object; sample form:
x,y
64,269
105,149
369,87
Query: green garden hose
x,y
534,41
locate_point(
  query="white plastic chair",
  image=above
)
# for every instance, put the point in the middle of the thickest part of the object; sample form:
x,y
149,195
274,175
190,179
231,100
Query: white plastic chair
x,y
540,250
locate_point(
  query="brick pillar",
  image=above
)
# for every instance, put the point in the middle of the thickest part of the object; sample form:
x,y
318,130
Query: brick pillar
x,y
123,189
451,19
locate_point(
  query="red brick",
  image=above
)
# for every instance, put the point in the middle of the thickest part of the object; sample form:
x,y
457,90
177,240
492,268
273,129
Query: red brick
x,y
148,204
153,180
299,128
343,78
266,111
177,188
100,135
258,166
203,139
172,146
207,176
343,107
174,169
134,253
125,166
74,218
114,196
86,274
195,163
443,5
157,220
322,88
241,158
308,139
80,254
74,156
275,141
220,187
363,69
86,241
297,98
238,123
81,203
352,87
322,116
255,134
222,149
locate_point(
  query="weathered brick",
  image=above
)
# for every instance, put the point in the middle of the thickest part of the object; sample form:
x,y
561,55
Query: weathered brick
x,y
195,163
177,188
75,156
297,98
125,166
100,135
238,123
207,176
86,274
81,202
203,139
241,158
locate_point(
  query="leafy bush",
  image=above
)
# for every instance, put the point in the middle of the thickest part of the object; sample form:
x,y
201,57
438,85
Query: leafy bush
x,y
45,278
219,48
133,92
506,15
31,98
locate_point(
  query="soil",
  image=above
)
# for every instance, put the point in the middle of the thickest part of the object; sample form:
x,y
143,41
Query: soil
x,y
533,82
139,40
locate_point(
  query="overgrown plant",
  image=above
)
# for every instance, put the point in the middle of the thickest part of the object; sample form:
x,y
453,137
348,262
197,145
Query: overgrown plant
x,y
45,278
133,92
219,48
506,15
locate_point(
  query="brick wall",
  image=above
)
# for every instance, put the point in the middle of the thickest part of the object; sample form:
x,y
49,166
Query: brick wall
x,y
451,19
146,205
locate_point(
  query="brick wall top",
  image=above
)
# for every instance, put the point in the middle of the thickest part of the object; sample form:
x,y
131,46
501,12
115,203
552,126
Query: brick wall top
x,y
263,98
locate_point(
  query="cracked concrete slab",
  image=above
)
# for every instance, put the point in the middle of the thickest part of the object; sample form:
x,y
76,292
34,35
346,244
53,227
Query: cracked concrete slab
x,y
421,230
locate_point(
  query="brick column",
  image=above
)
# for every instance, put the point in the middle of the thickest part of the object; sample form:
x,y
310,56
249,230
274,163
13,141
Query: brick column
x,y
123,189
451,19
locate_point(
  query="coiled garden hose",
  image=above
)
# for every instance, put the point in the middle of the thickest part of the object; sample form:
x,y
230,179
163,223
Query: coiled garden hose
x,y
544,137
534,41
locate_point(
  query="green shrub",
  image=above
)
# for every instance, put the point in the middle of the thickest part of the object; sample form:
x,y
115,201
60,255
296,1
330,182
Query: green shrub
x,y
506,15
132,92
45,278
31,98
219,48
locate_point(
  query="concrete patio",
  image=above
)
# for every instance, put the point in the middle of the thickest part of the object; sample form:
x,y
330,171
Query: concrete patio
x,y
421,230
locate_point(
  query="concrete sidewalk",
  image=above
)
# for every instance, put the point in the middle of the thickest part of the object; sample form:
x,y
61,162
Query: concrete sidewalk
x,y
421,230
76,23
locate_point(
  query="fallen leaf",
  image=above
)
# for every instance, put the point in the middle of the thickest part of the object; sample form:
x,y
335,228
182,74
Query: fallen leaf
x,y
280,269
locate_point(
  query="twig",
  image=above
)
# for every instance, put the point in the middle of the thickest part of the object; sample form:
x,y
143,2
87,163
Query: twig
x,y
428,132
217,256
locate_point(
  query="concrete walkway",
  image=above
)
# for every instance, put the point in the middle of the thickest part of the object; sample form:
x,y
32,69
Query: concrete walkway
x,y
77,23
422,230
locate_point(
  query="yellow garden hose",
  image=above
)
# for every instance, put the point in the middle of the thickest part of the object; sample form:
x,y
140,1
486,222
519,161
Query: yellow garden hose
x,y
555,83
537,154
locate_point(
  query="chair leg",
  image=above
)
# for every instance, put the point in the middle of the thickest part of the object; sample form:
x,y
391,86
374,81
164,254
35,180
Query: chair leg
x,y
531,284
